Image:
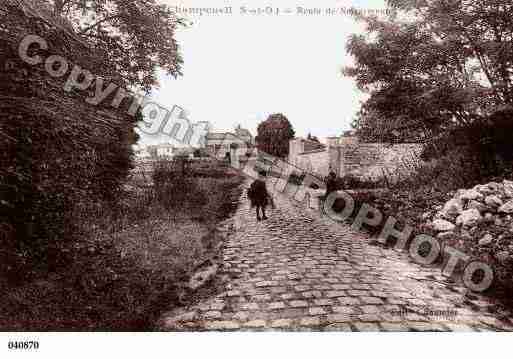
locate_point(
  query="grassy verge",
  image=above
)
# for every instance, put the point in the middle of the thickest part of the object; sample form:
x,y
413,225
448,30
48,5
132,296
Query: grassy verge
x,y
127,260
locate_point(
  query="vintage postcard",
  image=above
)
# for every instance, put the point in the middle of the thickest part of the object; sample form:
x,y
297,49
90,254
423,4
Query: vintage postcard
x,y
223,166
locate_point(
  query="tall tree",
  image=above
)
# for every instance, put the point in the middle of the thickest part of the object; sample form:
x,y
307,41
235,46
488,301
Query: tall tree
x,y
433,65
274,134
138,36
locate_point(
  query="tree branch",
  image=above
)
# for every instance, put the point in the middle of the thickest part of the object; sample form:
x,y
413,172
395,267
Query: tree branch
x,y
57,7
98,23
66,2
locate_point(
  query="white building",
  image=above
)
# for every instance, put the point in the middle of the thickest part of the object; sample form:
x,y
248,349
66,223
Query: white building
x,y
141,153
220,144
168,151
165,151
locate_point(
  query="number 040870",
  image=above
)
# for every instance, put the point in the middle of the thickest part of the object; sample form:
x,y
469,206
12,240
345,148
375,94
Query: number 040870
x,y
23,345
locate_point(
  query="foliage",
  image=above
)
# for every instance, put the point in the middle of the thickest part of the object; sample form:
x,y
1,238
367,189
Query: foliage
x,y
57,150
485,148
128,262
433,66
200,153
189,190
173,188
349,181
138,36
274,135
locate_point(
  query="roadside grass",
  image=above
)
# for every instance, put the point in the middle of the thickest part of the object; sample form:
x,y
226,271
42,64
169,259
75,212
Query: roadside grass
x,y
128,260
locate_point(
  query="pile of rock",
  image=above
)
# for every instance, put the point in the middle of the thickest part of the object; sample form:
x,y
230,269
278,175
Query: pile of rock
x,y
491,202
472,214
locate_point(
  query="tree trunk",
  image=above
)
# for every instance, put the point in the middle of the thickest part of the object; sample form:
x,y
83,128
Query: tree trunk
x,y
58,6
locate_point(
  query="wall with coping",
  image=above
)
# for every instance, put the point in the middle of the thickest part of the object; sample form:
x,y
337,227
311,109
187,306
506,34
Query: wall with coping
x,y
348,156
376,160
315,162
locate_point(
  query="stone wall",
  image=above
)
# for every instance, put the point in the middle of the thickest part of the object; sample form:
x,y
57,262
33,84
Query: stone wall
x,y
315,162
374,160
348,156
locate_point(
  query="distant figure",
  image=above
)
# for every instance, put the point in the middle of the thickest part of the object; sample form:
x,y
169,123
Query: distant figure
x,y
258,195
331,184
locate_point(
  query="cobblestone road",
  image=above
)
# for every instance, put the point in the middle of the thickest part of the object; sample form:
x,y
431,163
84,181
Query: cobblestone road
x,y
300,271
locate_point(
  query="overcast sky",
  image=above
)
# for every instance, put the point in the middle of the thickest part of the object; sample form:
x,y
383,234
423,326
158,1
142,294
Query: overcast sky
x,y
239,68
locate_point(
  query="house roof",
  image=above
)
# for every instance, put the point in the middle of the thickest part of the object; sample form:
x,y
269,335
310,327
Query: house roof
x,y
242,132
217,135
239,133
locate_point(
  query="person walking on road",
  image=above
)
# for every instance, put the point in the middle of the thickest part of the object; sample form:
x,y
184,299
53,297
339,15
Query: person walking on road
x,y
258,196
331,184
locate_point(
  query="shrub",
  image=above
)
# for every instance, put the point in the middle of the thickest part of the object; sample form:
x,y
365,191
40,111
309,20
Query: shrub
x,y
129,258
58,151
174,189
200,192
350,181
484,150
460,167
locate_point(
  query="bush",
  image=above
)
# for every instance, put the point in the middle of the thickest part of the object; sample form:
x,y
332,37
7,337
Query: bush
x,y
173,189
484,150
200,191
350,181
128,259
57,151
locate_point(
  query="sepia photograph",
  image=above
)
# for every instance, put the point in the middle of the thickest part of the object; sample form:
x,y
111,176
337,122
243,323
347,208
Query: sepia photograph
x,y
255,175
